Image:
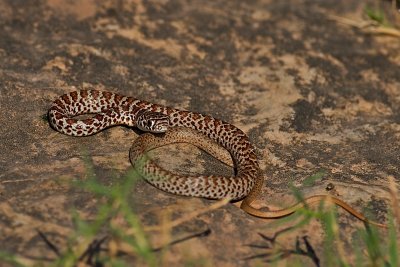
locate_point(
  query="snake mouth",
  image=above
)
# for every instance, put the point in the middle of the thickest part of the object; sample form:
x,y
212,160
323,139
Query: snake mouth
x,y
162,128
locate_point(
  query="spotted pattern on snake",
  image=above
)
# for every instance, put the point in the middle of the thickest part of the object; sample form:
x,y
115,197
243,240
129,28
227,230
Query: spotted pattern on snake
x,y
111,109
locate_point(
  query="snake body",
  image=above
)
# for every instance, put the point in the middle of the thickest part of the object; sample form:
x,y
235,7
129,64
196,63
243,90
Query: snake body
x,y
111,109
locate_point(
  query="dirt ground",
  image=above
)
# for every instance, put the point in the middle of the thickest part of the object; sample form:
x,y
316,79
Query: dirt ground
x,y
312,94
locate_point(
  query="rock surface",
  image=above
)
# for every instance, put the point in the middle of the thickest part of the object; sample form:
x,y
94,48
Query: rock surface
x,y
311,93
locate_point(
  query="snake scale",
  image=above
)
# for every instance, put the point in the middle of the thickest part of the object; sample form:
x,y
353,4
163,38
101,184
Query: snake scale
x,y
110,109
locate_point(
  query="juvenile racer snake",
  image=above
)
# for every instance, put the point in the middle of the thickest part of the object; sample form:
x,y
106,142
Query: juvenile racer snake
x,y
111,109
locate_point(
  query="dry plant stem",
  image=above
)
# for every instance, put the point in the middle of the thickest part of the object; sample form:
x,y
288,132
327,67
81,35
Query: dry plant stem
x,y
367,26
18,180
383,31
350,22
187,217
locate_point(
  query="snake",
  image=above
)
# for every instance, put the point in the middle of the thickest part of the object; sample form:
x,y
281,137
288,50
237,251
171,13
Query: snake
x,y
169,125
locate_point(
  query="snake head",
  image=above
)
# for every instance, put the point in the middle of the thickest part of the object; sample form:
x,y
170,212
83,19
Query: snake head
x,y
154,122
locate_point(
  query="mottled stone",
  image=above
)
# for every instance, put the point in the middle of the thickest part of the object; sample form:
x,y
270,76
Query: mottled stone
x,y
311,94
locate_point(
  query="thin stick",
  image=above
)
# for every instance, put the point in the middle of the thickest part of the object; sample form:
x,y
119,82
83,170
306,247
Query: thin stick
x,y
188,217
